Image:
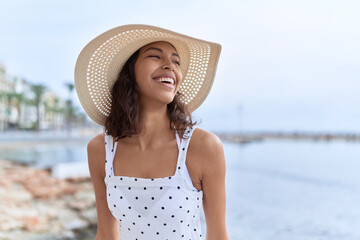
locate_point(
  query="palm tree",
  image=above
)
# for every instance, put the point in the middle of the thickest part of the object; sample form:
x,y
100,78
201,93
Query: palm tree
x,y
57,110
38,90
20,99
70,113
54,109
79,116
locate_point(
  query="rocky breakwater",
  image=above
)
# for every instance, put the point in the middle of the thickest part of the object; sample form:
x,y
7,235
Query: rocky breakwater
x,y
34,205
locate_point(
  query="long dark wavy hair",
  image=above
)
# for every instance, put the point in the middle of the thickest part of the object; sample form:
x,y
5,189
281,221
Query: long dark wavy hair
x,y
124,121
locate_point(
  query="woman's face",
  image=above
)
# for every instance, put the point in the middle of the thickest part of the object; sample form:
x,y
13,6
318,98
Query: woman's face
x,y
158,73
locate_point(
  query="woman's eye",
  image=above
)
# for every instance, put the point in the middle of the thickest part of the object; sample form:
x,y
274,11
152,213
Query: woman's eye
x,y
176,62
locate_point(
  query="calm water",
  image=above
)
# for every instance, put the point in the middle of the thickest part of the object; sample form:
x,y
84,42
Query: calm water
x,y
276,190
47,155
293,191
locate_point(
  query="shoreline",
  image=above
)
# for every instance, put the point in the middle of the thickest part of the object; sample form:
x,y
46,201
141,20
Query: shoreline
x,y
25,139
43,142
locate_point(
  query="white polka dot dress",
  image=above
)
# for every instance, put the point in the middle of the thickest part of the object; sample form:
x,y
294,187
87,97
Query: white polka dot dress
x,y
166,208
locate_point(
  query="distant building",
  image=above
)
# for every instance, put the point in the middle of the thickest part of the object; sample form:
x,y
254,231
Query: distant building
x,y
52,116
17,107
3,90
18,110
27,116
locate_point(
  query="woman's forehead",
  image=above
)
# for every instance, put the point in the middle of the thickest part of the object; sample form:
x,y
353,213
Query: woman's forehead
x,y
160,45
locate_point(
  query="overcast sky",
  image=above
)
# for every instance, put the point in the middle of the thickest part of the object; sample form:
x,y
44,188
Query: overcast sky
x,y
285,65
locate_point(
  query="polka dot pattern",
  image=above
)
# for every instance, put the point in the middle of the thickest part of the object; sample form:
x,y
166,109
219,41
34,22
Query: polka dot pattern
x,y
158,208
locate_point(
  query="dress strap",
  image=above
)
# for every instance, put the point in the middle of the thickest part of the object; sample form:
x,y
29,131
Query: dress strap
x,y
184,147
110,152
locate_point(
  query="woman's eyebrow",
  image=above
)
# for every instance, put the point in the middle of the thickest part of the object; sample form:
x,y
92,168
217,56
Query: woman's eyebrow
x,y
160,50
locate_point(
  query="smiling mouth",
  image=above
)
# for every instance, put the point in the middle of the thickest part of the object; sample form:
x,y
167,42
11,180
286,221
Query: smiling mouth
x,y
166,82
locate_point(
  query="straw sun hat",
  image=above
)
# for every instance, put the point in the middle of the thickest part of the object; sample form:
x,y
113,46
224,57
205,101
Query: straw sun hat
x,y
102,59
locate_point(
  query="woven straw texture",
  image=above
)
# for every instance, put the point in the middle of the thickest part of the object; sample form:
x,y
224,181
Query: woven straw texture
x,y
101,61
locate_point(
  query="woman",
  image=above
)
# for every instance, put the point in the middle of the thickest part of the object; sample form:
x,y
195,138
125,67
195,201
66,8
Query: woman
x,y
150,180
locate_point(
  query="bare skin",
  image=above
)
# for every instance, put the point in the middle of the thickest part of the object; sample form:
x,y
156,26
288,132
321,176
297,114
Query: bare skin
x,y
153,153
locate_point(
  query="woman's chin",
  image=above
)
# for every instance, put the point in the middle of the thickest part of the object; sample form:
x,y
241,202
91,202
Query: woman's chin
x,y
163,99
167,99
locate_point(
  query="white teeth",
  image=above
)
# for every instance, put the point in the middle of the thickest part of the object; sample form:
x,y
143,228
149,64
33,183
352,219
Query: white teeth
x,y
164,79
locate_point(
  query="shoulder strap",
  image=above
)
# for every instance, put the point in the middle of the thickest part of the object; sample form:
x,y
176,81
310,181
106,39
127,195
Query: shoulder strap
x,y
184,147
109,156
178,140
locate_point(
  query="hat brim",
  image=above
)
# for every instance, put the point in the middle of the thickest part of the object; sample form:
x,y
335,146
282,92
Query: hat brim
x,y
102,59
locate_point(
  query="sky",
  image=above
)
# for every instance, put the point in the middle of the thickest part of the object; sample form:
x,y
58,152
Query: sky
x,y
284,66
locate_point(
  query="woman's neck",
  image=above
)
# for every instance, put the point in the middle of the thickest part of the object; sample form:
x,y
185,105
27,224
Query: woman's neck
x,y
155,130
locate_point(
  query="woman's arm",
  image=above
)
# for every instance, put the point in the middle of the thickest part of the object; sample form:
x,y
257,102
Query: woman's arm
x,y
107,228
213,184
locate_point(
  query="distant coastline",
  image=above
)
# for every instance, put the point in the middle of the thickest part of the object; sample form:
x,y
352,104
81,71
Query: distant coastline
x,y
28,139
261,136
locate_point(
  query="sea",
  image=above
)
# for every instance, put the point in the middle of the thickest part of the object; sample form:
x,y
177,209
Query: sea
x,y
275,189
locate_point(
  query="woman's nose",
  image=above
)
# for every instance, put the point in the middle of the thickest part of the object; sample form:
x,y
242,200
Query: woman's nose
x,y
168,64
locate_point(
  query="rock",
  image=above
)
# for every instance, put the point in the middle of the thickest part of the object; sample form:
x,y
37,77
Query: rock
x,y
8,224
34,223
82,200
90,215
14,194
35,205
47,187
76,224
71,220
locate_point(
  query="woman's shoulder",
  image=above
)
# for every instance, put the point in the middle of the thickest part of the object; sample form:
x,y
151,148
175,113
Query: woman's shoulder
x,y
206,144
97,141
205,139
96,145
206,152
96,156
